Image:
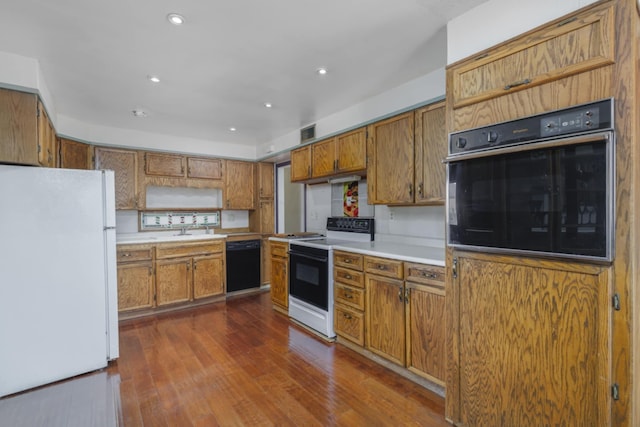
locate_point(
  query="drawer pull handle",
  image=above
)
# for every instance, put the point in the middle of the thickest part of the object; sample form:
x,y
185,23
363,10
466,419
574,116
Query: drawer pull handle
x,y
348,296
126,254
382,267
347,261
347,316
348,276
429,275
515,84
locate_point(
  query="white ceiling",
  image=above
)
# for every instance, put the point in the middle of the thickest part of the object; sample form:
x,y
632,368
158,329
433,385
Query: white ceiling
x,y
228,59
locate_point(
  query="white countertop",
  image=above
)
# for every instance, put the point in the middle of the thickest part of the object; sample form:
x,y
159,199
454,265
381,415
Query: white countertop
x,y
139,238
400,251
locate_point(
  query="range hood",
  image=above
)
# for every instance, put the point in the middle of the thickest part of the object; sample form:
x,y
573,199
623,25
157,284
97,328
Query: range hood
x,y
344,179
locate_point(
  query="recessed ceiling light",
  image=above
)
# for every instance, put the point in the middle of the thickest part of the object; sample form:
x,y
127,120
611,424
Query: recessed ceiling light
x,y
322,71
232,129
268,104
175,18
154,79
139,112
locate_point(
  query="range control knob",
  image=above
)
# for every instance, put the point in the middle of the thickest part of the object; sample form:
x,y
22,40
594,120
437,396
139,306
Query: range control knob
x,y
461,142
492,136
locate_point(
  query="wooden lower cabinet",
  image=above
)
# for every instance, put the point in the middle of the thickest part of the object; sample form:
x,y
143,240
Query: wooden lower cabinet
x,y
208,276
385,320
349,297
280,276
168,274
173,281
135,286
532,339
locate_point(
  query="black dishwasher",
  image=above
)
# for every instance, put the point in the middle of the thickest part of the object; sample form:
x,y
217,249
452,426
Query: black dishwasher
x,y
243,265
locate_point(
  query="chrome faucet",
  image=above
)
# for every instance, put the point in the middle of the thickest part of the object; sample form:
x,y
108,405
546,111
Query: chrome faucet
x,y
206,230
183,231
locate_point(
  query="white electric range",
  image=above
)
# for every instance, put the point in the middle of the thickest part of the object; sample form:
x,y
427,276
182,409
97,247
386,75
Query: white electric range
x,y
311,272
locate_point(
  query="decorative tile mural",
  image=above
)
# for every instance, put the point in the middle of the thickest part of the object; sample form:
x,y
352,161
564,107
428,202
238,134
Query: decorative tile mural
x,y
169,220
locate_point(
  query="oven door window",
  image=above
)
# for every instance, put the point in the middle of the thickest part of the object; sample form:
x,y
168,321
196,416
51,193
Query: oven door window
x,y
308,279
551,200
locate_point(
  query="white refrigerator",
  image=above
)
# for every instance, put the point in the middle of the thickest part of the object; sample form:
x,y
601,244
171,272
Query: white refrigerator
x,y
58,284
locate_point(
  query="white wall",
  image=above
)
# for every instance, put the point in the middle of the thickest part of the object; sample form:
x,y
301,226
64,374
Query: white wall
x,y
23,73
495,21
417,91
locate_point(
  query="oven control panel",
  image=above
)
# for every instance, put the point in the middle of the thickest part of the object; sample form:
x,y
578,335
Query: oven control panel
x,y
575,120
349,224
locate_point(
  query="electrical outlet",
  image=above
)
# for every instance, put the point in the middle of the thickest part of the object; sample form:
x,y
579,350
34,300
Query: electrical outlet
x,y
390,215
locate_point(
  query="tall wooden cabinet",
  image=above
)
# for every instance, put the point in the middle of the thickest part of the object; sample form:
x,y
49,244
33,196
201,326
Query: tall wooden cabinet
x,y
125,166
239,185
541,342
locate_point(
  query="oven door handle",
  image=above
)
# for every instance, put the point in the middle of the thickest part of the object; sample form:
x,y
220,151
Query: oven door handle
x,y
321,259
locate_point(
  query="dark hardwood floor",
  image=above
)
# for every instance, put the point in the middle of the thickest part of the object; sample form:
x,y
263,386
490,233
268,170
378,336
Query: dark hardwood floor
x,y
239,363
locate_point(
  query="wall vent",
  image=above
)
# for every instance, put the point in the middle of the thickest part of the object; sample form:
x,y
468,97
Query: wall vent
x,y
308,133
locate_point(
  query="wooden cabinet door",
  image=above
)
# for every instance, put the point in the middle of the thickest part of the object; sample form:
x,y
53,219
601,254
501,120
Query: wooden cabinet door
x,y
46,139
266,185
205,168
239,185
426,331
208,276
74,155
351,151
323,157
384,315
265,261
390,171
301,164
164,164
280,281
267,217
173,281
431,149
135,286
124,163
533,340
18,127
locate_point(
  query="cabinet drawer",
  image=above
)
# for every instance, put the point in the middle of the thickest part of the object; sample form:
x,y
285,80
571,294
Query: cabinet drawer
x,y
348,277
185,250
348,295
348,260
279,249
383,267
125,254
349,324
422,273
581,43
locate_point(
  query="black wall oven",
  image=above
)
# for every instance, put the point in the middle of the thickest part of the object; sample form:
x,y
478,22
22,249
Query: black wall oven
x,y
542,185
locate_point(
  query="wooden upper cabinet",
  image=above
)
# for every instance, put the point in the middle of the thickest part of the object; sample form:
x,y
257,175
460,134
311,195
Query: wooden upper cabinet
x,y
124,163
580,43
301,164
351,151
203,168
164,164
341,154
46,139
266,181
74,155
390,172
18,127
239,185
430,150
323,158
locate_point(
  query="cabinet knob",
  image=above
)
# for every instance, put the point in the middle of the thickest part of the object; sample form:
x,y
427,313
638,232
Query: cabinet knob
x,y
348,276
347,261
347,316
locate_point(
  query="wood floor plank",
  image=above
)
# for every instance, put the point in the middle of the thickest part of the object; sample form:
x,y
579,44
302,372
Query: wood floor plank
x,y
239,363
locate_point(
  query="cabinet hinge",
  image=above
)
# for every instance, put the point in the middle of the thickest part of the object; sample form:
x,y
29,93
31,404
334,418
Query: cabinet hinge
x,y
454,268
615,391
615,301
38,112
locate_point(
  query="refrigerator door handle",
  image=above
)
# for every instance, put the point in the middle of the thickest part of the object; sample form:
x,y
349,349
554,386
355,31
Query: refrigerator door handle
x,y
110,228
